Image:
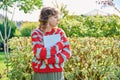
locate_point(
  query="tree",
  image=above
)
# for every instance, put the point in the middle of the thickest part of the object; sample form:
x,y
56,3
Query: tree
x,y
62,9
26,6
105,3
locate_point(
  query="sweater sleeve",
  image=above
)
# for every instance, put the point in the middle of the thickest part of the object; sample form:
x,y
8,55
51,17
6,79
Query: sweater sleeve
x,y
40,52
64,54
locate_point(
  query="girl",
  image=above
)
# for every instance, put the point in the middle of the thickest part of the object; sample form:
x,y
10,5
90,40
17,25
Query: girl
x,y
48,62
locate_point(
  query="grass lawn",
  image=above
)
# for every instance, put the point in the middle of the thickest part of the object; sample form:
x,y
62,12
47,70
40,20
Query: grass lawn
x,y
2,67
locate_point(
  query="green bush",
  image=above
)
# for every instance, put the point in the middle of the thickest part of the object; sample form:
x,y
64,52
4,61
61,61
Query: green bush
x,y
92,26
83,26
20,59
13,28
26,28
17,33
1,29
92,59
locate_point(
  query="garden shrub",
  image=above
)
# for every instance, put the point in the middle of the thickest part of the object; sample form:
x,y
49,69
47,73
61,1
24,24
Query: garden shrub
x,y
82,26
27,27
92,59
13,28
20,59
17,33
92,26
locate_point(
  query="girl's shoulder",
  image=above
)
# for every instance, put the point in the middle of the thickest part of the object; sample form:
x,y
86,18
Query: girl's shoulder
x,y
58,29
36,31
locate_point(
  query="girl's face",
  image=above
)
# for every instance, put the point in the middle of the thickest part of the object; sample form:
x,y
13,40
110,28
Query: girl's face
x,y
53,21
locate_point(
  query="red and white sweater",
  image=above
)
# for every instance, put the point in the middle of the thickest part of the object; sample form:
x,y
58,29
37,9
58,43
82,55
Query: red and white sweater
x,y
55,55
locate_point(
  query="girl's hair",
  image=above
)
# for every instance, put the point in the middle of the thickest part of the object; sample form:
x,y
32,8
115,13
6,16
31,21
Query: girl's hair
x,y
45,14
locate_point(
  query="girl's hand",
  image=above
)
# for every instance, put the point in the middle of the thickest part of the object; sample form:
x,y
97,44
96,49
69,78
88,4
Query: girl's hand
x,y
45,61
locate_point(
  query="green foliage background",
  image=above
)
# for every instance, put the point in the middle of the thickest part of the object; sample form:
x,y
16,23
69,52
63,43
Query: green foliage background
x,y
20,59
92,26
83,26
92,59
13,28
95,44
27,27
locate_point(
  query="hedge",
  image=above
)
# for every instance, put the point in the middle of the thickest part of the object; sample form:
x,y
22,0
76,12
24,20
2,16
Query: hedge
x,y
92,59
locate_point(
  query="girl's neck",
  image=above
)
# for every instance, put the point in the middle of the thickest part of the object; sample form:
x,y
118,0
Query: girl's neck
x,y
48,29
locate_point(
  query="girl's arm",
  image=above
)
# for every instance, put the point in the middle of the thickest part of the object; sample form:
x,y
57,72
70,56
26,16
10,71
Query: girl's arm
x,y
60,57
63,55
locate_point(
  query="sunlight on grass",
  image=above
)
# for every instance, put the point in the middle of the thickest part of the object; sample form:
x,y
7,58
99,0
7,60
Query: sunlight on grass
x,y
2,67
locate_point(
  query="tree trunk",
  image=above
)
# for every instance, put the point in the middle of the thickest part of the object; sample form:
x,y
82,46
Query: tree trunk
x,y
6,40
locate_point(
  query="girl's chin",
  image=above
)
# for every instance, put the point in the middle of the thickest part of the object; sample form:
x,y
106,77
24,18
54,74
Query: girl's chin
x,y
55,27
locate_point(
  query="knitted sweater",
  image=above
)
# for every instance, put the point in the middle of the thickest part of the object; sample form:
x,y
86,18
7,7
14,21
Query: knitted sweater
x,y
55,55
